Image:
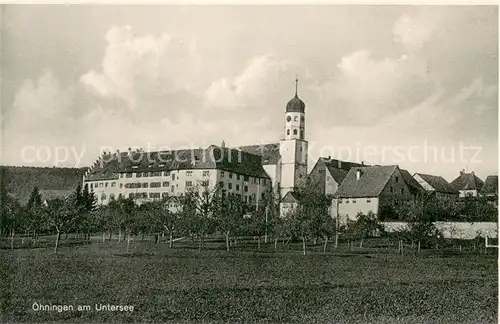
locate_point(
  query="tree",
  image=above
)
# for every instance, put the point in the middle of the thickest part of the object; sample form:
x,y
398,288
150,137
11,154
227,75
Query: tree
x,y
61,215
200,206
420,213
128,216
89,199
15,221
169,221
325,226
229,216
315,207
34,212
365,226
299,225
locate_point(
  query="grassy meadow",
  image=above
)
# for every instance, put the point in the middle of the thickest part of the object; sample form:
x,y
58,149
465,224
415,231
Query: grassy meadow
x,y
247,284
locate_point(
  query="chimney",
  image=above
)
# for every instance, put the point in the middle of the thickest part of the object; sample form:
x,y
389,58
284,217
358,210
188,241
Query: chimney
x,y
472,172
363,163
223,144
358,174
339,164
462,172
129,152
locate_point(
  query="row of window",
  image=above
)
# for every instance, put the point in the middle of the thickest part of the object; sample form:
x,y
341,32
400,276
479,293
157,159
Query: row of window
x,y
230,186
295,132
247,198
145,195
203,183
166,183
145,174
392,189
101,184
189,173
245,178
353,201
157,195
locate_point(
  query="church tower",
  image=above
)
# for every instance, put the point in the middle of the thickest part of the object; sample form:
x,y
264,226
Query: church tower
x,y
293,147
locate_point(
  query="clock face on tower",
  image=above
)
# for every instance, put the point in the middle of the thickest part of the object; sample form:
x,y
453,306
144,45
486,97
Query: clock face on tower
x,y
295,118
288,118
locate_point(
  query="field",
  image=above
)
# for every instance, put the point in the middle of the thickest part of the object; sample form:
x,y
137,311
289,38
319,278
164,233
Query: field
x,y
247,284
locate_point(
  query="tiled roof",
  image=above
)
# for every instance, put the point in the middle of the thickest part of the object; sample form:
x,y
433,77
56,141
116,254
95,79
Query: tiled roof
x,y
490,185
214,157
338,168
371,183
467,181
339,164
270,152
290,198
337,174
413,185
438,183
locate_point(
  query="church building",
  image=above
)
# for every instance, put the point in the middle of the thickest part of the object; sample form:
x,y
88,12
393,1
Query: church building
x,y
246,171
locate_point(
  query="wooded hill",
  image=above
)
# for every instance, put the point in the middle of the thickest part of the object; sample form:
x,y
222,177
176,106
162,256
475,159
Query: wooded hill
x,y
20,181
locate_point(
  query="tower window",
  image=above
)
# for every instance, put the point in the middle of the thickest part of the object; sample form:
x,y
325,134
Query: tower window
x,y
288,132
294,132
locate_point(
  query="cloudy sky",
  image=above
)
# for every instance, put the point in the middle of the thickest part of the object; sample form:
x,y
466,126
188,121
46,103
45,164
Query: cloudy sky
x,y
414,86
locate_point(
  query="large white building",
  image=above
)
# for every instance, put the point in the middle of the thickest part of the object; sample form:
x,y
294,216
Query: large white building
x,y
247,171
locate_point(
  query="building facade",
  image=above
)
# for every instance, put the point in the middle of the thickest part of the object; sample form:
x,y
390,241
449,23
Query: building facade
x,y
367,189
152,176
436,186
467,184
248,172
327,174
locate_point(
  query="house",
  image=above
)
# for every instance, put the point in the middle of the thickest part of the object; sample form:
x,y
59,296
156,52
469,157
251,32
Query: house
x,y
289,203
328,173
490,187
436,186
368,189
467,184
415,187
489,191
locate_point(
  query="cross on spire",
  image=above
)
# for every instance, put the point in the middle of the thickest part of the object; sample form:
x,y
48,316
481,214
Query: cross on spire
x,y
296,85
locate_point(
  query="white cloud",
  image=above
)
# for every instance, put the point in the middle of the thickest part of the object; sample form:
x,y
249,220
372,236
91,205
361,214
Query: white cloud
x,y
441,123
137,67
364,90
262,76
39,103
412,32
